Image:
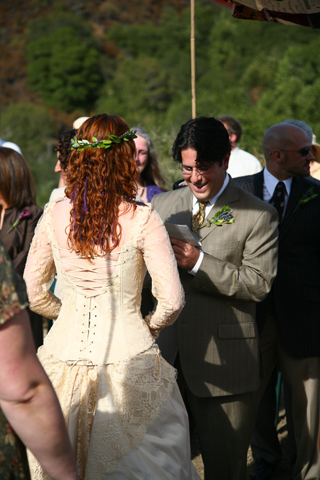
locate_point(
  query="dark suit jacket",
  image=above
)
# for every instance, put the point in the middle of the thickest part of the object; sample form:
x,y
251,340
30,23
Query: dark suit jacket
x,y
296,289
216,333
17,242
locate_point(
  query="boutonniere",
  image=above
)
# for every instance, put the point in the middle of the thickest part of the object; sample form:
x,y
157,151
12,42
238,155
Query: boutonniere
x,y
23,214
222,216
306,197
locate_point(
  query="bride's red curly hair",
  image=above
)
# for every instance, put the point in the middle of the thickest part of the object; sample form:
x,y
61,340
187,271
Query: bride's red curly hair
x,y
99,180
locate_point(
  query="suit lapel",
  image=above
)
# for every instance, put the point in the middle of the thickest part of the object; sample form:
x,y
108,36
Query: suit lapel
x,y
257,184
183,208
227,198
298,188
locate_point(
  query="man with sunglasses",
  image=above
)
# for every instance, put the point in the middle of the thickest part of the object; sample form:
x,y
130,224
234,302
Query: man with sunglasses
x,y
214,343
288,320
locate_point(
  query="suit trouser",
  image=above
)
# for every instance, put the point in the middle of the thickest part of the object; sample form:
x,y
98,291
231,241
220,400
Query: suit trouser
x,y
224,426
265,443
303,379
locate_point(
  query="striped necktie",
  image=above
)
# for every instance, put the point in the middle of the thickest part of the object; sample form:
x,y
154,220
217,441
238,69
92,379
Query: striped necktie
x,y
198,218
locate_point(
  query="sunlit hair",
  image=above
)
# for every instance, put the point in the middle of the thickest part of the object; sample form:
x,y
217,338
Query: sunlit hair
x,y
98,181
151,173
16,181
207,136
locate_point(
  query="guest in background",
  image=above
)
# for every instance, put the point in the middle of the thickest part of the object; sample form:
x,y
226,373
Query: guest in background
x,y
19,216
240,163
288,319
265,445
78,122
12,145
149,177
63,150
26,395
315,164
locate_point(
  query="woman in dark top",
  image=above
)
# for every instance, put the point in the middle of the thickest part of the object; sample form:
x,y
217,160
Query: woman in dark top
x,y
19,216
149,177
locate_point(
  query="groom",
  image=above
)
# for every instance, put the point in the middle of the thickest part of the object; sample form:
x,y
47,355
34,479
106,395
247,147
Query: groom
x,y
214,343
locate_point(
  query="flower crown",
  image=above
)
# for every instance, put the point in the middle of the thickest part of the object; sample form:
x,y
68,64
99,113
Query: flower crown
x,y
85,144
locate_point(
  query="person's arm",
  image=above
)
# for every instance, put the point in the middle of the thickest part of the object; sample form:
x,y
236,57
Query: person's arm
x,y
19,261
40,271
252,280
162,266
29,402
252,277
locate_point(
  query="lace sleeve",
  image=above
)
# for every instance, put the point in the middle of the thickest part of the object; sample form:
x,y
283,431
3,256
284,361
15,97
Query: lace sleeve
x,y
40,270
162,266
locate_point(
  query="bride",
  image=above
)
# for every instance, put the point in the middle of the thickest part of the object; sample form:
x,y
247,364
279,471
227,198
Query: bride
x,y
122,407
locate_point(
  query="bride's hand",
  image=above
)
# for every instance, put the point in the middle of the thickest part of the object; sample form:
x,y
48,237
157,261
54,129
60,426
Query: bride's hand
x,y
155,331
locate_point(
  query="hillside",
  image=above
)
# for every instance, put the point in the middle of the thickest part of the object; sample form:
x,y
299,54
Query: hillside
x,y
15,15
65,59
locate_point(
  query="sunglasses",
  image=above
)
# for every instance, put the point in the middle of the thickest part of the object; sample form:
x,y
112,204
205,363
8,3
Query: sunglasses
x,y
303,151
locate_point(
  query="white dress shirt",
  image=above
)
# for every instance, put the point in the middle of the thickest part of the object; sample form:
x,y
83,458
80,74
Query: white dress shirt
x,y
209,205
269,184
242,163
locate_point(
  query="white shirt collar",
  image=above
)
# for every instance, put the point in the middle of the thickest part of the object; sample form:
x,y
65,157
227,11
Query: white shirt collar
x,y
270,182
212,200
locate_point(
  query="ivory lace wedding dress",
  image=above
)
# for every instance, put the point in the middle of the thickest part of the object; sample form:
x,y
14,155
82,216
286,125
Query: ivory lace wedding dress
x,y
123,410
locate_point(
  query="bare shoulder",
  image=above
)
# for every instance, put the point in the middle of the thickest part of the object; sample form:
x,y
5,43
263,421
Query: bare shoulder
x,y
60,205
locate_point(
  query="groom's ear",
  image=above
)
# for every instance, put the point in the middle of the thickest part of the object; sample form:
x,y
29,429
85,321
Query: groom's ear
x,y
225,161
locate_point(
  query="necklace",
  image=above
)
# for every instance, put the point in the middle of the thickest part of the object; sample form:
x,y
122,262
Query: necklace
x,y
141,190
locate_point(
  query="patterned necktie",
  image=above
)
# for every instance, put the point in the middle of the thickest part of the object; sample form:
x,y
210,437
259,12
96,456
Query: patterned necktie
x,y
198,218
277,199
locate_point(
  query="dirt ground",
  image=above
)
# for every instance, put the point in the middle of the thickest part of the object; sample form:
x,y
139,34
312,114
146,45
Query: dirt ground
x,y
283,471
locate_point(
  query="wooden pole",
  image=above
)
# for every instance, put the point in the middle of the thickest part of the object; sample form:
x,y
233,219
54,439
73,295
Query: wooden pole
x,y
193,62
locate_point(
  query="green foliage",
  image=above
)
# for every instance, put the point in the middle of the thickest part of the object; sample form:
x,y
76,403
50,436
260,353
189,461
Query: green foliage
x,y
63,63
31,127
144,38
138,87
221,216
259,72
43,26
306,197
106,143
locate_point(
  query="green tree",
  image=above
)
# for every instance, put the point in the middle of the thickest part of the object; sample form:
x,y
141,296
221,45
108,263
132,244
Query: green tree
x,y
46,25
32,128
140,86
64,69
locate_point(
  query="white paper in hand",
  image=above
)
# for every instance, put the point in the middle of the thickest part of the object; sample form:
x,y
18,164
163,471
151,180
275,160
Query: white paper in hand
x,y
182,232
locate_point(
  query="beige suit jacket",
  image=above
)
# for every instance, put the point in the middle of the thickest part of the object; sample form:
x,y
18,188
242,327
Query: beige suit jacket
x,y
216,334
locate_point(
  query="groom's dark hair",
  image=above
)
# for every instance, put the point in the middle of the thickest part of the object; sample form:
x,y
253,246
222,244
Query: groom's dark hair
x,y
207,136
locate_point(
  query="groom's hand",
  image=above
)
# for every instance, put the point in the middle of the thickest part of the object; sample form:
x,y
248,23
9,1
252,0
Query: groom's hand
x,y
186,255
